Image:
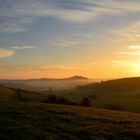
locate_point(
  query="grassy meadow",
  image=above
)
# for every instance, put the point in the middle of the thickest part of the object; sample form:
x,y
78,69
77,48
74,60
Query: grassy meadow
x,y
124,93
30,119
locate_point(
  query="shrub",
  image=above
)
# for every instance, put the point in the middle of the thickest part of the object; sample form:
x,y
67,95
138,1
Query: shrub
x,y
19,95
86,102
50,91
59,100
51,99
93,96
62,100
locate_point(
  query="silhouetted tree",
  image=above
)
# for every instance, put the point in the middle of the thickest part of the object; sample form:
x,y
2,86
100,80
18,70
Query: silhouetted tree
x,y
86,102
19,95
59,100
52,99
63,100
50,91
93,96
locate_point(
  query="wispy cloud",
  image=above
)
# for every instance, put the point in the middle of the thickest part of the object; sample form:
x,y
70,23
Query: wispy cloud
x,y
130,66
6,53
133,50
130,32
134,53
15,16
43,68
59,67
66,43
123,63
23,47
134,47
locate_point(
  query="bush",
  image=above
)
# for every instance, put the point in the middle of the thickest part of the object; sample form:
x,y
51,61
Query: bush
x,y
52,99
86,102
93,96
62,100
19,95
59,100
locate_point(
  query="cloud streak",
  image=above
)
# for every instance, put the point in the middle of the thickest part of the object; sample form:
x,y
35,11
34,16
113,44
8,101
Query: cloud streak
x,y
132,50
134,47
23,47
59,67
43,68
130,32
16,16
122,63
6,53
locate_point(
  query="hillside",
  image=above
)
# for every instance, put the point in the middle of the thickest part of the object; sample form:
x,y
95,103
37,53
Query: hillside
x,y
126,87
124,84
124,93
43,84
28,120
59,79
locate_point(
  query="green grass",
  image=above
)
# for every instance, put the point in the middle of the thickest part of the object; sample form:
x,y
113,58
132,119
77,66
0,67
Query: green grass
x,y
129,101
132,105
32,120
10,94
47,121
121,92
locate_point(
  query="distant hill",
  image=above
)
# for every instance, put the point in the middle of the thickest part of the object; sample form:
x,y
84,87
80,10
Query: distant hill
x,y
77,78
43,84
69,78
46,79
117,85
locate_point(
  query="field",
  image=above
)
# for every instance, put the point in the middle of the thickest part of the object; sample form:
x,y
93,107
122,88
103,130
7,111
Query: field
x,y
124,93
127,103
120,94
32,120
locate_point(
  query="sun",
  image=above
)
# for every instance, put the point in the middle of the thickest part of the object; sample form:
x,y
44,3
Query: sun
x,y
136,69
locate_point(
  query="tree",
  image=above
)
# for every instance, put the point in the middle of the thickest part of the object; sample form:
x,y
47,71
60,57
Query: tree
x,y
86,102
19,95
51,99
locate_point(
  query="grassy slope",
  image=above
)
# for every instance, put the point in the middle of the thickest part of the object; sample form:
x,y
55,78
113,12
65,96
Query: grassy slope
x,y
123,92
38,121
126,87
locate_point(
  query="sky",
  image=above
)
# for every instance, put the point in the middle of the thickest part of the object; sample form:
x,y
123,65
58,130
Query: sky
x,y
62,38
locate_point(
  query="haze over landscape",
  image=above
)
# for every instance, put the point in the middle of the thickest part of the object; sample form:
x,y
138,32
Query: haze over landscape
x,y
58,39
69,69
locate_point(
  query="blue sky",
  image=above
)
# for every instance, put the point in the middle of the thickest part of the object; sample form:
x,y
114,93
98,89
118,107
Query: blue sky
x,y
60,38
